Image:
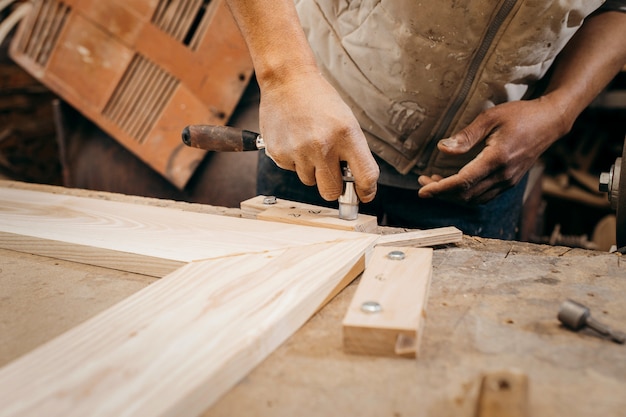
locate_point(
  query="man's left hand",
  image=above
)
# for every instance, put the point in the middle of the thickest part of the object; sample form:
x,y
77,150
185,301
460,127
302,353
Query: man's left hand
x,y
515,135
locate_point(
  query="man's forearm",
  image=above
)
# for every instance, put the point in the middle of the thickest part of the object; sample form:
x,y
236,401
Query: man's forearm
x,y
275,39
588,63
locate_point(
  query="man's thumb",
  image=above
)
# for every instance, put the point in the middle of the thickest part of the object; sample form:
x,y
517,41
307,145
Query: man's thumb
x,y
464,140
455,144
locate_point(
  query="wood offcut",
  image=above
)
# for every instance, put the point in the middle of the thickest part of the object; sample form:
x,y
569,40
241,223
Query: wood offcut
x,y
386,316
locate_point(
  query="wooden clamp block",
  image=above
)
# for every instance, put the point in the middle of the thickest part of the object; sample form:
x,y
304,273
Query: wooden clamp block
x,y
386,316
286,211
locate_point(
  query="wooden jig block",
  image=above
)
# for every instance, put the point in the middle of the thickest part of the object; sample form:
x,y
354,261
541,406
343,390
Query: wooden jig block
x,y
386,316
252,207
286,211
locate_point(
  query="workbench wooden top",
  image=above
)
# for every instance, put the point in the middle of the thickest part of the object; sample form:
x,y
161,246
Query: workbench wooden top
x,y
492,306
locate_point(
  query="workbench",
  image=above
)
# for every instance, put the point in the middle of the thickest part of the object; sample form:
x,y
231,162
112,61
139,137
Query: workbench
x,y
492,306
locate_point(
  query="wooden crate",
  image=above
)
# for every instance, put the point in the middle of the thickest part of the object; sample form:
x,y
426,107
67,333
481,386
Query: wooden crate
x,y
140,69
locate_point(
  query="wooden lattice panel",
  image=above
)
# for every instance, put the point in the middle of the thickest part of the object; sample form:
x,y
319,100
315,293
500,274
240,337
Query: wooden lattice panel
x,y
140,69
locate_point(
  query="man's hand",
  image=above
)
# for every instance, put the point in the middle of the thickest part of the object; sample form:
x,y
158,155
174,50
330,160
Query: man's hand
x,y
309,129
306,125
515,135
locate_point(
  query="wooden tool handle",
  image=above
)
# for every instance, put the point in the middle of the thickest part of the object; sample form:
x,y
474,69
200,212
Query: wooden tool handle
x,y
220,138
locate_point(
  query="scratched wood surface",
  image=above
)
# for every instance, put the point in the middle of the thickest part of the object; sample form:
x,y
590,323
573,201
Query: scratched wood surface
x,y
492,306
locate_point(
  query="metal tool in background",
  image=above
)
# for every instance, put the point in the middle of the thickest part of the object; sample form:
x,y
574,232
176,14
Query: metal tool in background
x,y
230,139
614,183
577,316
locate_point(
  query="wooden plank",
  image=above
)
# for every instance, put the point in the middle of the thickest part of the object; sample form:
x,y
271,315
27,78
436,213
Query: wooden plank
x,y
176,346
420,238
400,288
142,239
286,211
85,254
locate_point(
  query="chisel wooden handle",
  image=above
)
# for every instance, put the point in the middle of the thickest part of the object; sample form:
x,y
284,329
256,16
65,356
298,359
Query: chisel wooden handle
x,y
221,138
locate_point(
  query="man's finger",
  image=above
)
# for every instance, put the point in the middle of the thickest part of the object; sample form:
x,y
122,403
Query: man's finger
x,y
365,172
306,172
329,182
464,140
425,179
462,183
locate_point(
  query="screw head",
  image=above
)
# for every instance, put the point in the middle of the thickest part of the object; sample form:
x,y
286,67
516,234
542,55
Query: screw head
x,y
396,255
371,307
269,200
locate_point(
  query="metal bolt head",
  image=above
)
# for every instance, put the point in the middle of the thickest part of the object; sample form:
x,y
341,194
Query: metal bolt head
x,y
269,200
371,307
609,183
605,180
396,255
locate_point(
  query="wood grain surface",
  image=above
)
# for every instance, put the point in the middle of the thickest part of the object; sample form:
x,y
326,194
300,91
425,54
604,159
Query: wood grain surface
x,y
137,238
179,344
244,288
286,211
420,238
400,287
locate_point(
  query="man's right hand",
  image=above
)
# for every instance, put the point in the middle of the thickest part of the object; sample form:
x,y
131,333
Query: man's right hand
x,y
309,129
306,125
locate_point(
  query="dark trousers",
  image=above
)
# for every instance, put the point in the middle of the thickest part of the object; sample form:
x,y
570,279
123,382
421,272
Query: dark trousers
x,y
400,207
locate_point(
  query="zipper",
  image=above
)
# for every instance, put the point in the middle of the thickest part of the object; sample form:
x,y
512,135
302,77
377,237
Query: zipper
x,y
472,71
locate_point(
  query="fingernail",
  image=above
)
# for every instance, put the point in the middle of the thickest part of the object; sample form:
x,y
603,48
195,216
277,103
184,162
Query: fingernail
x,y
449,142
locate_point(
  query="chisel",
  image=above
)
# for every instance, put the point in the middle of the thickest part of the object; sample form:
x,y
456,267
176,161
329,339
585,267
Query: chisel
x,y
230,139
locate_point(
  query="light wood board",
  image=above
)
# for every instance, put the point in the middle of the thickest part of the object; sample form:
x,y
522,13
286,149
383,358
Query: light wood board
x,y
255,205
143,239
294,212
420,238
179,344
400,288
286,211
175,347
